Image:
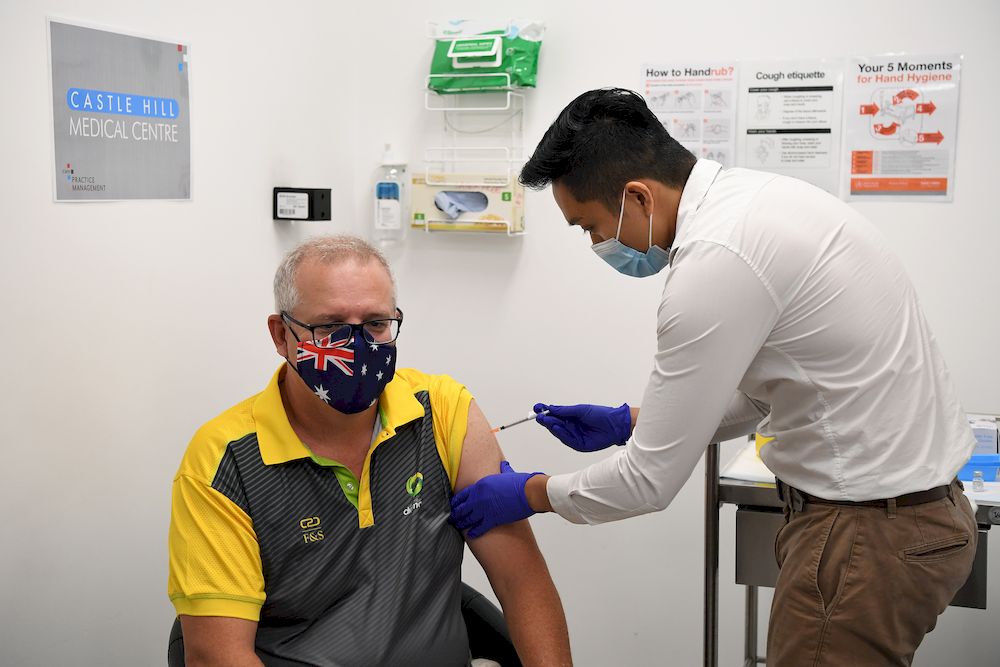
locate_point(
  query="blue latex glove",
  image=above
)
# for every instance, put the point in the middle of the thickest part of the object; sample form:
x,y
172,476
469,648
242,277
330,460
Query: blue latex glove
x,y
492,501
587,428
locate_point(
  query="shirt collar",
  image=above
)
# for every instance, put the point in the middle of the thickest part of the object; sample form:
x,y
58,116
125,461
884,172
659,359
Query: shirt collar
x,y
277,440
397,406
702,177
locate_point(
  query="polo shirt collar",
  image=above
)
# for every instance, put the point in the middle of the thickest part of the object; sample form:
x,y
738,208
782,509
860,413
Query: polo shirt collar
x,y
277,440
702,177
398,406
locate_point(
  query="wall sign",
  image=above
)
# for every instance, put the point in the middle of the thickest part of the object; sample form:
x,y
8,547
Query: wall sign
x,y
120,114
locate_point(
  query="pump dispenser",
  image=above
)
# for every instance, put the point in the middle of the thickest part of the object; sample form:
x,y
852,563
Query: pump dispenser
x,y
390,190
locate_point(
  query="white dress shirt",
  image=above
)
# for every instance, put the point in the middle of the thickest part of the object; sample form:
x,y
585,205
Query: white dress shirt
x,y
784,311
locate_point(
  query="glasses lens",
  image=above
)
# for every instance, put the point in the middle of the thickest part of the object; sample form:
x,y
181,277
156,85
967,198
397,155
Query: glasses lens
x,y
381,331
332,336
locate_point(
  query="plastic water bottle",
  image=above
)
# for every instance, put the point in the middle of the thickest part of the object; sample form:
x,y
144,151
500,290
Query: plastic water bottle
x,y
390,190
978,484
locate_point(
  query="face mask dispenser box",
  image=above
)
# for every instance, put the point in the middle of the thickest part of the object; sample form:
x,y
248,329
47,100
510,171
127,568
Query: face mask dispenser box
x,y
467,203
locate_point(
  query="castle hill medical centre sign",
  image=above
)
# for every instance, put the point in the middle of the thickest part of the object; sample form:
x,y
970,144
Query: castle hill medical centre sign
x,y
120,115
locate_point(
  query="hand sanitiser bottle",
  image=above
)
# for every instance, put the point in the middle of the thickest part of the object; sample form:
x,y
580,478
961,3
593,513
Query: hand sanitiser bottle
x,y
390,190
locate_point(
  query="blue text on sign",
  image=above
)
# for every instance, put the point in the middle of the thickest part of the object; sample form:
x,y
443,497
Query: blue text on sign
x,y
126,104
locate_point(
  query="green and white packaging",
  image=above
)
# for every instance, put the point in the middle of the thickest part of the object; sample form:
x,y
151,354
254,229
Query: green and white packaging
x,y
478,56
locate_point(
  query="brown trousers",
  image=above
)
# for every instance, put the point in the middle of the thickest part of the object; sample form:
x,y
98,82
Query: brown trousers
x,y
859,587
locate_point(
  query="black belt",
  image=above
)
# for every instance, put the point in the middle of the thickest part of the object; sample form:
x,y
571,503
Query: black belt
x,y
905,500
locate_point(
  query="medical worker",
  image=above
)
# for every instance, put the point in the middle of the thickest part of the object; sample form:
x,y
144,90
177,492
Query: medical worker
x,y
784,312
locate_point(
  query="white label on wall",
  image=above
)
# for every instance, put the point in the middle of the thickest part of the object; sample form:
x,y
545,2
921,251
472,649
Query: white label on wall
x,y
293,205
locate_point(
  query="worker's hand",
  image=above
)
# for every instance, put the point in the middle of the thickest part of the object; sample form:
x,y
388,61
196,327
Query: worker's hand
x,y
587,428
492,501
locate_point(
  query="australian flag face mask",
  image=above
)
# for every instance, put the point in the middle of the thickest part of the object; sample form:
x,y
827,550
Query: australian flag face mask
x,y
348,376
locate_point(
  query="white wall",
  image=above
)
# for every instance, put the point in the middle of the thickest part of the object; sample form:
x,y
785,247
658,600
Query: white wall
x,y
129,324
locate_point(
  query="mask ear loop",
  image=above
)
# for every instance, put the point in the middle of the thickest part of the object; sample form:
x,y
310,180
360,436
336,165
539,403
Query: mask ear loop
x,y
297,341
621,214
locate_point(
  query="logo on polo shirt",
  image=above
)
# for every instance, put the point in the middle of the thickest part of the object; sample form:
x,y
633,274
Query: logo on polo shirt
x,y
414,485
312,530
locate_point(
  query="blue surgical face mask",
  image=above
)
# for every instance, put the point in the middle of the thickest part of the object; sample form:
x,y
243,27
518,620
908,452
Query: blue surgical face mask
x,y
630,261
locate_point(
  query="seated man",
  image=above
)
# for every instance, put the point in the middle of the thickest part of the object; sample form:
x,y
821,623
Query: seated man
x,y
310,522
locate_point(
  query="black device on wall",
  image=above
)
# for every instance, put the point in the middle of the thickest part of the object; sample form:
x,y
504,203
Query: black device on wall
x,y
301,204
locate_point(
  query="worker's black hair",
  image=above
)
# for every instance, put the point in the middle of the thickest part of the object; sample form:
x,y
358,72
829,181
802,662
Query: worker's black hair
x,y
601,141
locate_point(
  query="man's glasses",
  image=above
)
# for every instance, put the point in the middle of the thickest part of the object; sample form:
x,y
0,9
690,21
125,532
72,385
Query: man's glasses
x,y
341,334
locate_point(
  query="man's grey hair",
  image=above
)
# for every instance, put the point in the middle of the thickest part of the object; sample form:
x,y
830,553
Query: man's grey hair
x,y
328,250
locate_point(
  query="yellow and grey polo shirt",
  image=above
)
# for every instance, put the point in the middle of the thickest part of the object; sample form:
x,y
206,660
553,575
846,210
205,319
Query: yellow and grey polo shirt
x,y
336,570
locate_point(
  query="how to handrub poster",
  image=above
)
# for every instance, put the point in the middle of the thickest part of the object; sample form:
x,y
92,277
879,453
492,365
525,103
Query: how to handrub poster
x,y
697,105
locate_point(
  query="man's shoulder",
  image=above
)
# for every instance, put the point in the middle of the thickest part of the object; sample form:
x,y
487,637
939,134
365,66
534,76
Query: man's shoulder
x,y
209,443
758,213
433,384
742,192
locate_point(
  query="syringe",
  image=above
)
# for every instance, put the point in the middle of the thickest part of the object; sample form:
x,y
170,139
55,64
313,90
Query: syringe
x,y
519,421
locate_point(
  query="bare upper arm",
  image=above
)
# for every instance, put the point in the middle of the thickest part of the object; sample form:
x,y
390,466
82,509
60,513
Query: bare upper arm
x,y
219,641
481,453
509,549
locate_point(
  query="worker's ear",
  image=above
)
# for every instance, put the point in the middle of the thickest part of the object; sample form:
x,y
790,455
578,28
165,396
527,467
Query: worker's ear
x,y
643,195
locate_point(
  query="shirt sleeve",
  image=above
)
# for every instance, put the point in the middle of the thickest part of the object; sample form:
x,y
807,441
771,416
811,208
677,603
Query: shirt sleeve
x,y
715,315
215,566
741,418
450,405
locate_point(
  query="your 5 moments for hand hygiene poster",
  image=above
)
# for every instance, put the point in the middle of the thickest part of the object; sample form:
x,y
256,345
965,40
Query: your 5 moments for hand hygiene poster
x,y
120,115
901,120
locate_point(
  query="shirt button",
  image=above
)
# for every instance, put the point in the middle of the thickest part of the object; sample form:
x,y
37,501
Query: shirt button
x,y
350,487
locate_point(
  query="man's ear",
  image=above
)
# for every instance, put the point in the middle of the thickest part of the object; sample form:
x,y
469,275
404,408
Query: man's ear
x,y
643,195
276,327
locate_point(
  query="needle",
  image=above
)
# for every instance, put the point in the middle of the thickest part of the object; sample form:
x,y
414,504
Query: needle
x,y
519,421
